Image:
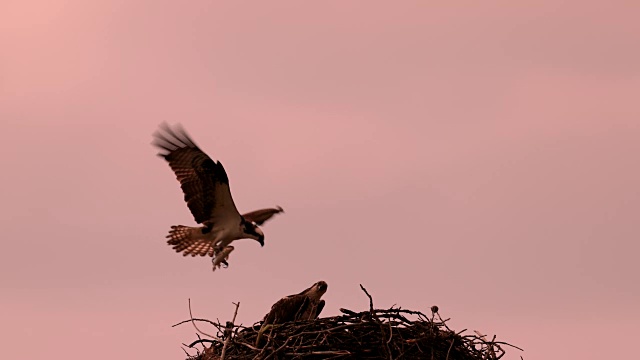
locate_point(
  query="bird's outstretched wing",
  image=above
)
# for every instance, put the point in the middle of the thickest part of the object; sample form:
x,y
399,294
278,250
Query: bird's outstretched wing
x,y
204,182
262,215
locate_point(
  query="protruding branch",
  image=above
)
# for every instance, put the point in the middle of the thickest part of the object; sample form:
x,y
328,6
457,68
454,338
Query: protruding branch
x,y
198,330
369,296
228,330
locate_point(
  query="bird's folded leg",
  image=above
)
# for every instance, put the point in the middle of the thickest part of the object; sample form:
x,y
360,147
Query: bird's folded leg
x,y
216,250
221,258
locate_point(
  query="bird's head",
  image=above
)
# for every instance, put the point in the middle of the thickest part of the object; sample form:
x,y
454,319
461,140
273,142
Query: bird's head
x,y
319,288
252,231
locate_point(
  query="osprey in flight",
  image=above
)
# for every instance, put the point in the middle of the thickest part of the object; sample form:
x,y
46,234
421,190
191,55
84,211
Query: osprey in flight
x,y
206,190
305,305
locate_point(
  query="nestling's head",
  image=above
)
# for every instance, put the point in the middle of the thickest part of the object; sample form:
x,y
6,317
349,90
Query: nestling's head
x,y
319,288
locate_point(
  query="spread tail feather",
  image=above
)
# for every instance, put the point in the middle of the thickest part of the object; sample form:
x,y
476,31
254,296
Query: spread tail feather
x,y
189,240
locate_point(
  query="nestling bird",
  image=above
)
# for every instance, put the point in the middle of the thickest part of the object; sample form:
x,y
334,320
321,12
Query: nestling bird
x,y
305,305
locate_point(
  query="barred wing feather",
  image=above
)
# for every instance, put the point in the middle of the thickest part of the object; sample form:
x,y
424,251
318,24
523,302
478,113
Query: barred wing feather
x,y
204,182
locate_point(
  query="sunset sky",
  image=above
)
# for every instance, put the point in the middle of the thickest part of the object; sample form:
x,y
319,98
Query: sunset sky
x,y
482,156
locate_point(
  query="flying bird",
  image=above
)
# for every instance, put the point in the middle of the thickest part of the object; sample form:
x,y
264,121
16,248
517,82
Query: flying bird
x,y
205,185
305,305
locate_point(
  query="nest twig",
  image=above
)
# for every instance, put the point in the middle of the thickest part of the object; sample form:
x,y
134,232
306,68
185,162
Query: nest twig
x,y
393,333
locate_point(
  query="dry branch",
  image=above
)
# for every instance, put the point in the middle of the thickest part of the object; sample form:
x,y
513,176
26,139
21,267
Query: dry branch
x,y
228,331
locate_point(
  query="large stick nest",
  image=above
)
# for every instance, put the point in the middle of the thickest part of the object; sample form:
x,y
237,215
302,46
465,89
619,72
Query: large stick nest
x,y
393,333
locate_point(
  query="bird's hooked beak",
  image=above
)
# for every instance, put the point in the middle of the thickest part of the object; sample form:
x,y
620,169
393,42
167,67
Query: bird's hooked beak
x,y
260,236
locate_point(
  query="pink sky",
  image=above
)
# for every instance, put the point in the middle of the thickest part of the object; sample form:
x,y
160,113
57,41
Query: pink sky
x,y
481,156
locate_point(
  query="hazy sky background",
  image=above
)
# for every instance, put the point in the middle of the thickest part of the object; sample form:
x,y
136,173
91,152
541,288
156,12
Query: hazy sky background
x,y
477,155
